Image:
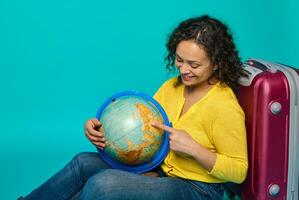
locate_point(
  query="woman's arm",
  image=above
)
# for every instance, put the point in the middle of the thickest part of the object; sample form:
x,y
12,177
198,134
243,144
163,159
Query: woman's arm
x,y
180,141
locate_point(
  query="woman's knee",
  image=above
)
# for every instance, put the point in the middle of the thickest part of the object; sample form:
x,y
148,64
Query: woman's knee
x,y
88,163
106,180
102,184
84,157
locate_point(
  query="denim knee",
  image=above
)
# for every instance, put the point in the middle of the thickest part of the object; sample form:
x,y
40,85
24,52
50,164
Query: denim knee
x,y
103,184
106,181
83,158
88,164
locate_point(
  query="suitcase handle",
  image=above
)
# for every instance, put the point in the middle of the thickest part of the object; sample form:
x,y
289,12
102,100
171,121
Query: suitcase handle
x,y
253,67
251,73
262,65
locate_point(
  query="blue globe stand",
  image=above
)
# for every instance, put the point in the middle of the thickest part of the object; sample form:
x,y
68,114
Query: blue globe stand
x,y
158,157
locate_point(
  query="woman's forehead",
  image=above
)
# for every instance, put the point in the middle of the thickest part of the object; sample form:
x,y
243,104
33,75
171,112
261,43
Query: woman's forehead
x,y
190,50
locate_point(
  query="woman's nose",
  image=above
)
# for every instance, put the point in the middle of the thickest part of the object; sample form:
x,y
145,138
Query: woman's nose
x,y
184,68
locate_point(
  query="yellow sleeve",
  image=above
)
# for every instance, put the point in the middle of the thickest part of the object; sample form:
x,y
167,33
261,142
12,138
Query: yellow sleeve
x,y
229,138
159,95
163,90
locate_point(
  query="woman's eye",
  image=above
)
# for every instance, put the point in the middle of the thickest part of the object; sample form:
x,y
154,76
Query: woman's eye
x,y
179,60
193,65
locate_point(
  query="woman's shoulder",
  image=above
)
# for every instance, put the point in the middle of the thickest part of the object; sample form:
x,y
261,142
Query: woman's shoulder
x,y
166,90
224,91
225,97
169,84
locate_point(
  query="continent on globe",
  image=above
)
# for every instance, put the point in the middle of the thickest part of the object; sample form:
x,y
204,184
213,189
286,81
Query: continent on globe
x,y
130,138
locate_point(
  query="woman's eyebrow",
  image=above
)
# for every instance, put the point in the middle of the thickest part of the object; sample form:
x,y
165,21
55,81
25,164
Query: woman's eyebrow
x,y
189,61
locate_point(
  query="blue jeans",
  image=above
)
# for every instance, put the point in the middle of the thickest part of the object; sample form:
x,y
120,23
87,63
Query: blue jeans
x,y
87,177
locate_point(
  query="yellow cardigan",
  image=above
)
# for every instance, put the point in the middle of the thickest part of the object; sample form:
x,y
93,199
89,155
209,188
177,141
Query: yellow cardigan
x,y
217,122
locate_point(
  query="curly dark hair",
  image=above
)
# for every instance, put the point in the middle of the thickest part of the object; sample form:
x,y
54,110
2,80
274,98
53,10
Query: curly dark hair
x,y
217,41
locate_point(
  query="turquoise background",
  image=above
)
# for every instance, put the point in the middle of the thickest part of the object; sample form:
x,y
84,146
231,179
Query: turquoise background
x,y
60,59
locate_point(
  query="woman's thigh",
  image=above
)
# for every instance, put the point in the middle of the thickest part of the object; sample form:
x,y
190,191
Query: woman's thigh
x,y
115,184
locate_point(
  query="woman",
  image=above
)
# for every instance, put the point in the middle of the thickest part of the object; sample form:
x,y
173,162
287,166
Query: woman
x,y
208,139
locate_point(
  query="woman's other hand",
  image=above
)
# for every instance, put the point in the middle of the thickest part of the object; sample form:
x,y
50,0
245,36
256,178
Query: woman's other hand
x,y
94,132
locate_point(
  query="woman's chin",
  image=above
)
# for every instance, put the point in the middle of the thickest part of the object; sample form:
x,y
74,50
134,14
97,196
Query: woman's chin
x,y
188,83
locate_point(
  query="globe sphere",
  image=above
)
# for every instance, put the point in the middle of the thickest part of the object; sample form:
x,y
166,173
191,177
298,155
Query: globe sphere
x,y
126,124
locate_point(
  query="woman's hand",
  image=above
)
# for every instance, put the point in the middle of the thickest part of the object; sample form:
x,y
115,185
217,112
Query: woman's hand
x,y
180,141
94,132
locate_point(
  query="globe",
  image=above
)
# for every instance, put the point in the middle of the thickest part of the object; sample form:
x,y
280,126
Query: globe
x,y
131,142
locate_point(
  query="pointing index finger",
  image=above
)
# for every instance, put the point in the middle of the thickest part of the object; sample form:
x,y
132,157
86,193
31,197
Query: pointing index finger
x,y
162,126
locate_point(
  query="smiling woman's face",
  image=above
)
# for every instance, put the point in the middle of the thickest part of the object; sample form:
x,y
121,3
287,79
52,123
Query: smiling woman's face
x,y
193,63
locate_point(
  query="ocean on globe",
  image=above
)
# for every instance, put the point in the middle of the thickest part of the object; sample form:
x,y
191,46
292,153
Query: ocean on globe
x,y
126,124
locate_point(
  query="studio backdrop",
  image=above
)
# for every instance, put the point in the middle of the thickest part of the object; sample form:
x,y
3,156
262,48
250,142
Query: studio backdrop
x,y
60,59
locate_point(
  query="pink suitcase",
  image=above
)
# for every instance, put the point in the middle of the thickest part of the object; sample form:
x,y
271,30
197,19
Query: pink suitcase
x,y
269,97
